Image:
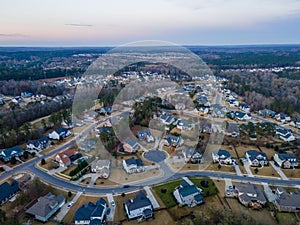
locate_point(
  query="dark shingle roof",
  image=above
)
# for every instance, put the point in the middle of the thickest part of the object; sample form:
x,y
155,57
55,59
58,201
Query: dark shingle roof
x,y
6,189
139,201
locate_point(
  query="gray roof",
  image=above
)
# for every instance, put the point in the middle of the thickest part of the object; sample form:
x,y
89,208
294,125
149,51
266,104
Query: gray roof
x,y
86,211
45,205
289,199
188,190
253,154
249,192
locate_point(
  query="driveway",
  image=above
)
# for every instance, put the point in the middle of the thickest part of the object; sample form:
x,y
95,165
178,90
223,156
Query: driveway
x,y
279,171
156,156
111,215
151,197
270,195
247,168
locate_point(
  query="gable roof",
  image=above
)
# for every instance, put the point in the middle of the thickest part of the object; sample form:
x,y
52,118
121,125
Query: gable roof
x,y
188,190
253,154
133,161
139,201
286,156
45,205
7,189
10,152
222,153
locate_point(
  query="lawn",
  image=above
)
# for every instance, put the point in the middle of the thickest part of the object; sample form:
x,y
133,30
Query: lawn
x,y
286,218
292,173
265,171
208,191
167,198
224,168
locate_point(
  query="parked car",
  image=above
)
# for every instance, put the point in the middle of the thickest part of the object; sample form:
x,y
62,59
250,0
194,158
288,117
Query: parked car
x,y
113,203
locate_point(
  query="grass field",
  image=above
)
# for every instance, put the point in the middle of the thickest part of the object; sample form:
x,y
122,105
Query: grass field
x,y
167,198
265,171
208,191
286,218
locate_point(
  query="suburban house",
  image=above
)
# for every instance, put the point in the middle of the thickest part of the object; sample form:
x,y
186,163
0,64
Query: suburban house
x,y
250,195
266,113
133,165
256,158
284,118
9,153
295,123
131,146
66,157
145,135
242,116
184,124
284,134
287,201
192,155
39,144
188,194
222,157
205,127
173,141
91,213
167,119
59,134
285,160
244,107
233,130
233,103
139,207
87,145
46,206
218,110
7,191
101,167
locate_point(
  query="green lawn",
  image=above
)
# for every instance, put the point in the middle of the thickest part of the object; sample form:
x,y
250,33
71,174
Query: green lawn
x,y
167,198
208,191
286,218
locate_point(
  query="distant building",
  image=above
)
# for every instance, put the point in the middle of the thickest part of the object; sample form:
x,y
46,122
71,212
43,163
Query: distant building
x,y
284,118
7,191
139,207
192,155
287,201
174,141
39,144
233,130
131,146
250,195
244,107
133,165
266,113
285,134
256,158
9,153
87,145
188,194
66,157
145,135
46,206
59,134
222,157
91,213
286,161
102,167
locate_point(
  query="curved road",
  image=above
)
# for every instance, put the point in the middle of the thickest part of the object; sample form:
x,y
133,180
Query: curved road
x,y
167,175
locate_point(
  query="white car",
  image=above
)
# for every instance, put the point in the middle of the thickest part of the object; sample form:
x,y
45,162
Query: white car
x,y
70,204
113,203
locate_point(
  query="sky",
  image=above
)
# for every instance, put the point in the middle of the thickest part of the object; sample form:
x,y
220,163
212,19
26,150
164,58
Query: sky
x,y
115,22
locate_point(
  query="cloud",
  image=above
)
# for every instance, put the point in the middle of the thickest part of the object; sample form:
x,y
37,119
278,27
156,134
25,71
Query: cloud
x,y
12,35
78,25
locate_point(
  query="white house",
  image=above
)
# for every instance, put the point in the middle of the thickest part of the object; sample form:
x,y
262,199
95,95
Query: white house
x,y
286,160
59,134
222,157
256,158
139,207
102,167
285,134
133,165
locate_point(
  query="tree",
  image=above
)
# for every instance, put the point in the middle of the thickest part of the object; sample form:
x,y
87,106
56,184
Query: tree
x,y
255,170
69,194
13,160
25,155
43,161
219,166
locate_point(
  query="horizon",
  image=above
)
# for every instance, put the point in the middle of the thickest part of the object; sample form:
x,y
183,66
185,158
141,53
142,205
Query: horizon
x,y
196,22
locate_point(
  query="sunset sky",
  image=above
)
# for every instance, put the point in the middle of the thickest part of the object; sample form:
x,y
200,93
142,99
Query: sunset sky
x,y
114,22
